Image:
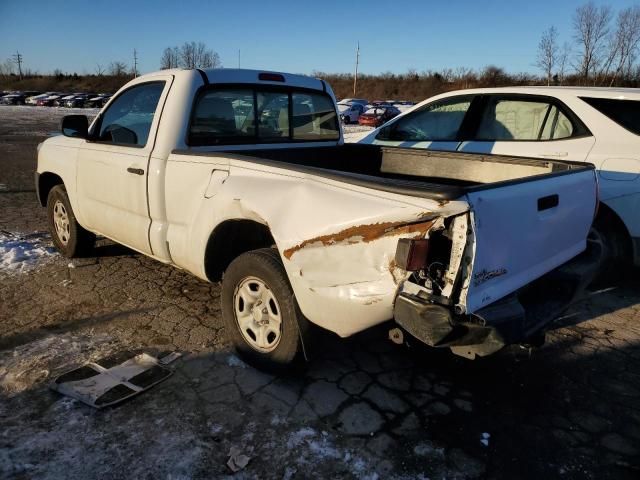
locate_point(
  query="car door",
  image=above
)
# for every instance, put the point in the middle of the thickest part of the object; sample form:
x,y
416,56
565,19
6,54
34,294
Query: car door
x,y
528,126
435,126
113,164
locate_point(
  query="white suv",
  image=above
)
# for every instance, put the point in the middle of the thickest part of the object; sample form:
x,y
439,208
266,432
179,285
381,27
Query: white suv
x,y
595,125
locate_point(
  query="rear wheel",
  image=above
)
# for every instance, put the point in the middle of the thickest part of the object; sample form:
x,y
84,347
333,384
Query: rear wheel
x,y
610,234
68,236
259,310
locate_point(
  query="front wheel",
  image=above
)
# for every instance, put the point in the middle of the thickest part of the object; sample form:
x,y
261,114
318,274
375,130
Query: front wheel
x,y
68,236
259,310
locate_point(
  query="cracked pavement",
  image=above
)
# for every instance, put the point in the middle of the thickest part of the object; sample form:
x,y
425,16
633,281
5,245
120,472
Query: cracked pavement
x,y
362,408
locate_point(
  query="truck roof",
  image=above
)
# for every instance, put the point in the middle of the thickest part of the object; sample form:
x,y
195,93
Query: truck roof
x,y
241,75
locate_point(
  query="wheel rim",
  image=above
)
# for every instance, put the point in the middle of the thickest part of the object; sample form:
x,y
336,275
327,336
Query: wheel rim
x,y
61,222
257,314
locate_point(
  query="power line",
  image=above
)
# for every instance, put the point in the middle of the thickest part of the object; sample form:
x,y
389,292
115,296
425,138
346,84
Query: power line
x,y
355,77
135,63
17,58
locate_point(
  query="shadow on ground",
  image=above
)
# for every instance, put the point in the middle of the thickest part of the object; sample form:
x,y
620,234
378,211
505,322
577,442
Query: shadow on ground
x,y
363,408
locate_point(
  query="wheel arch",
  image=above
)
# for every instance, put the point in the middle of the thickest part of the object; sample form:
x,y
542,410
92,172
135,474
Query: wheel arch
x,y
46,181
608,219
230,239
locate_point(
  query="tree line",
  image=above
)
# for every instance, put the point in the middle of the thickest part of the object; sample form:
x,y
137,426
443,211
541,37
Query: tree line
x,y
603,50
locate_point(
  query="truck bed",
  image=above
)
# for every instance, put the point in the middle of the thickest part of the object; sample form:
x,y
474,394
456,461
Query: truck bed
x,y
419,173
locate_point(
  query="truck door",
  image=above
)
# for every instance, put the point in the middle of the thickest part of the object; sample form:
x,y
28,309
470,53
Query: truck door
x,y
113,165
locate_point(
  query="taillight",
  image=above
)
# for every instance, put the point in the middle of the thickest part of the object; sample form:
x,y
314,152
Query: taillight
x,y
411,254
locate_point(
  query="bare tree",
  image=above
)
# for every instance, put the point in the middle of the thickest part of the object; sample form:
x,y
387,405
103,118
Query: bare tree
x,y
99,70
118,69
563,61
548,52
190,55
170,58
624,45
591,27
7,68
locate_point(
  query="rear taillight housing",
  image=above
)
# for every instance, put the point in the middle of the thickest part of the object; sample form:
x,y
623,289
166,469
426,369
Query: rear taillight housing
x,y
411,254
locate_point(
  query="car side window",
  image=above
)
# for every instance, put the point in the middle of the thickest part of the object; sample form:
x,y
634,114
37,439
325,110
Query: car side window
x,y
506,119
128,119
437,121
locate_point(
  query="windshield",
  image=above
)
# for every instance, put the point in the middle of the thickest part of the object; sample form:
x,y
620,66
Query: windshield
x,y
343,107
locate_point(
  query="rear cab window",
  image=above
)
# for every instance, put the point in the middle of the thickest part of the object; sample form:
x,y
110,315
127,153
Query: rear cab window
x,y
625,113
236,115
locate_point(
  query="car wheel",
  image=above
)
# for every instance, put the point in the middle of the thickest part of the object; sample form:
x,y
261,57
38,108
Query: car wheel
x,y
68,236
259,310
614,244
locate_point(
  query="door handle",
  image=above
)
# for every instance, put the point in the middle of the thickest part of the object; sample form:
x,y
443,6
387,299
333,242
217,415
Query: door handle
x,y
548,202
137,171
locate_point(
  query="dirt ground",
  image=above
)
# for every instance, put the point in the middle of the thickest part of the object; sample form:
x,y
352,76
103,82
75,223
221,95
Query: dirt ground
x,y
363,408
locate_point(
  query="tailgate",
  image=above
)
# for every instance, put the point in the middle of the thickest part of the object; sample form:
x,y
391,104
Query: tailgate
x,y
527,229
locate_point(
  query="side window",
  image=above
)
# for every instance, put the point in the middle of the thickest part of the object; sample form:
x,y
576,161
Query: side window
x,y
624,112
532,120
438,121
128,119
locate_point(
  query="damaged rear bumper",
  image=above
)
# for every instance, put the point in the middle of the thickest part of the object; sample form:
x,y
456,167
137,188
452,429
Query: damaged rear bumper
x,y
514,319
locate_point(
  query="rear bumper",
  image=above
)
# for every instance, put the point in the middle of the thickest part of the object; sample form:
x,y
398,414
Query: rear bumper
x,y
514,319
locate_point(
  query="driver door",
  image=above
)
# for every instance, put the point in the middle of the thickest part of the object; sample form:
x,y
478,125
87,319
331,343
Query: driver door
x,y
113,165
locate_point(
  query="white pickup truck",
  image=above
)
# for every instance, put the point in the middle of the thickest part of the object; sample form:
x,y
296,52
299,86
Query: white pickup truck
x,y
243,176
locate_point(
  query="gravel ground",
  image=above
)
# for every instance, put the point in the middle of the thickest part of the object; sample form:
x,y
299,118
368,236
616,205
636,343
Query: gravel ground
x,y
363,408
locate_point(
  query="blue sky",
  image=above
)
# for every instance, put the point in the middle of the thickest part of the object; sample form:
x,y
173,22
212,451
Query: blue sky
x,y
294,36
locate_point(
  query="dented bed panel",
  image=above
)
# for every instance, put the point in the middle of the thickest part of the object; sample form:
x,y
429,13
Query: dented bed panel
x,y
337,241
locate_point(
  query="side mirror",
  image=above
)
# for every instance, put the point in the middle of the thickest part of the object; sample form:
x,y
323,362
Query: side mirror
x,y
75,126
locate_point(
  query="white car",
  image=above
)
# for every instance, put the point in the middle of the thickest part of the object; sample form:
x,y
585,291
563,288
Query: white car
x,y
350,112
584,124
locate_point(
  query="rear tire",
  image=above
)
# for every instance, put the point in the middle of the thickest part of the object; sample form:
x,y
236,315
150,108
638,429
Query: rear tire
x,y
68,236
609,232
260,312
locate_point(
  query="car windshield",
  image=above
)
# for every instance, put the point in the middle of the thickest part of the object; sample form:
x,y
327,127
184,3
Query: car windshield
x,y
375,111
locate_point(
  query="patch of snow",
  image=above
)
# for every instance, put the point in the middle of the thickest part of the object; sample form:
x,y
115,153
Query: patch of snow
x,y
21,253
485,439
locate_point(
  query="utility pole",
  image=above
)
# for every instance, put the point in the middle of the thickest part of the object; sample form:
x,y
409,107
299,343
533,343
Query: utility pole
x,y
17,58
355,77
135,63
238,58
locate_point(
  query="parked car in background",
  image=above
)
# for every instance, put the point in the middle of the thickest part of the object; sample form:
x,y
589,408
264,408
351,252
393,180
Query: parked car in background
x,y
16,98
78,101
378,115
350,112
600,126
349,101
33,100
98,101
49,100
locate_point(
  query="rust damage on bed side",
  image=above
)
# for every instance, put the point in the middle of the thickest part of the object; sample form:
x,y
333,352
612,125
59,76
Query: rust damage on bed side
x,y
364,233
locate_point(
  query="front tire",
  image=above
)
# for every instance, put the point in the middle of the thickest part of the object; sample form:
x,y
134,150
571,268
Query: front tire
x,y
259,310
68,236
